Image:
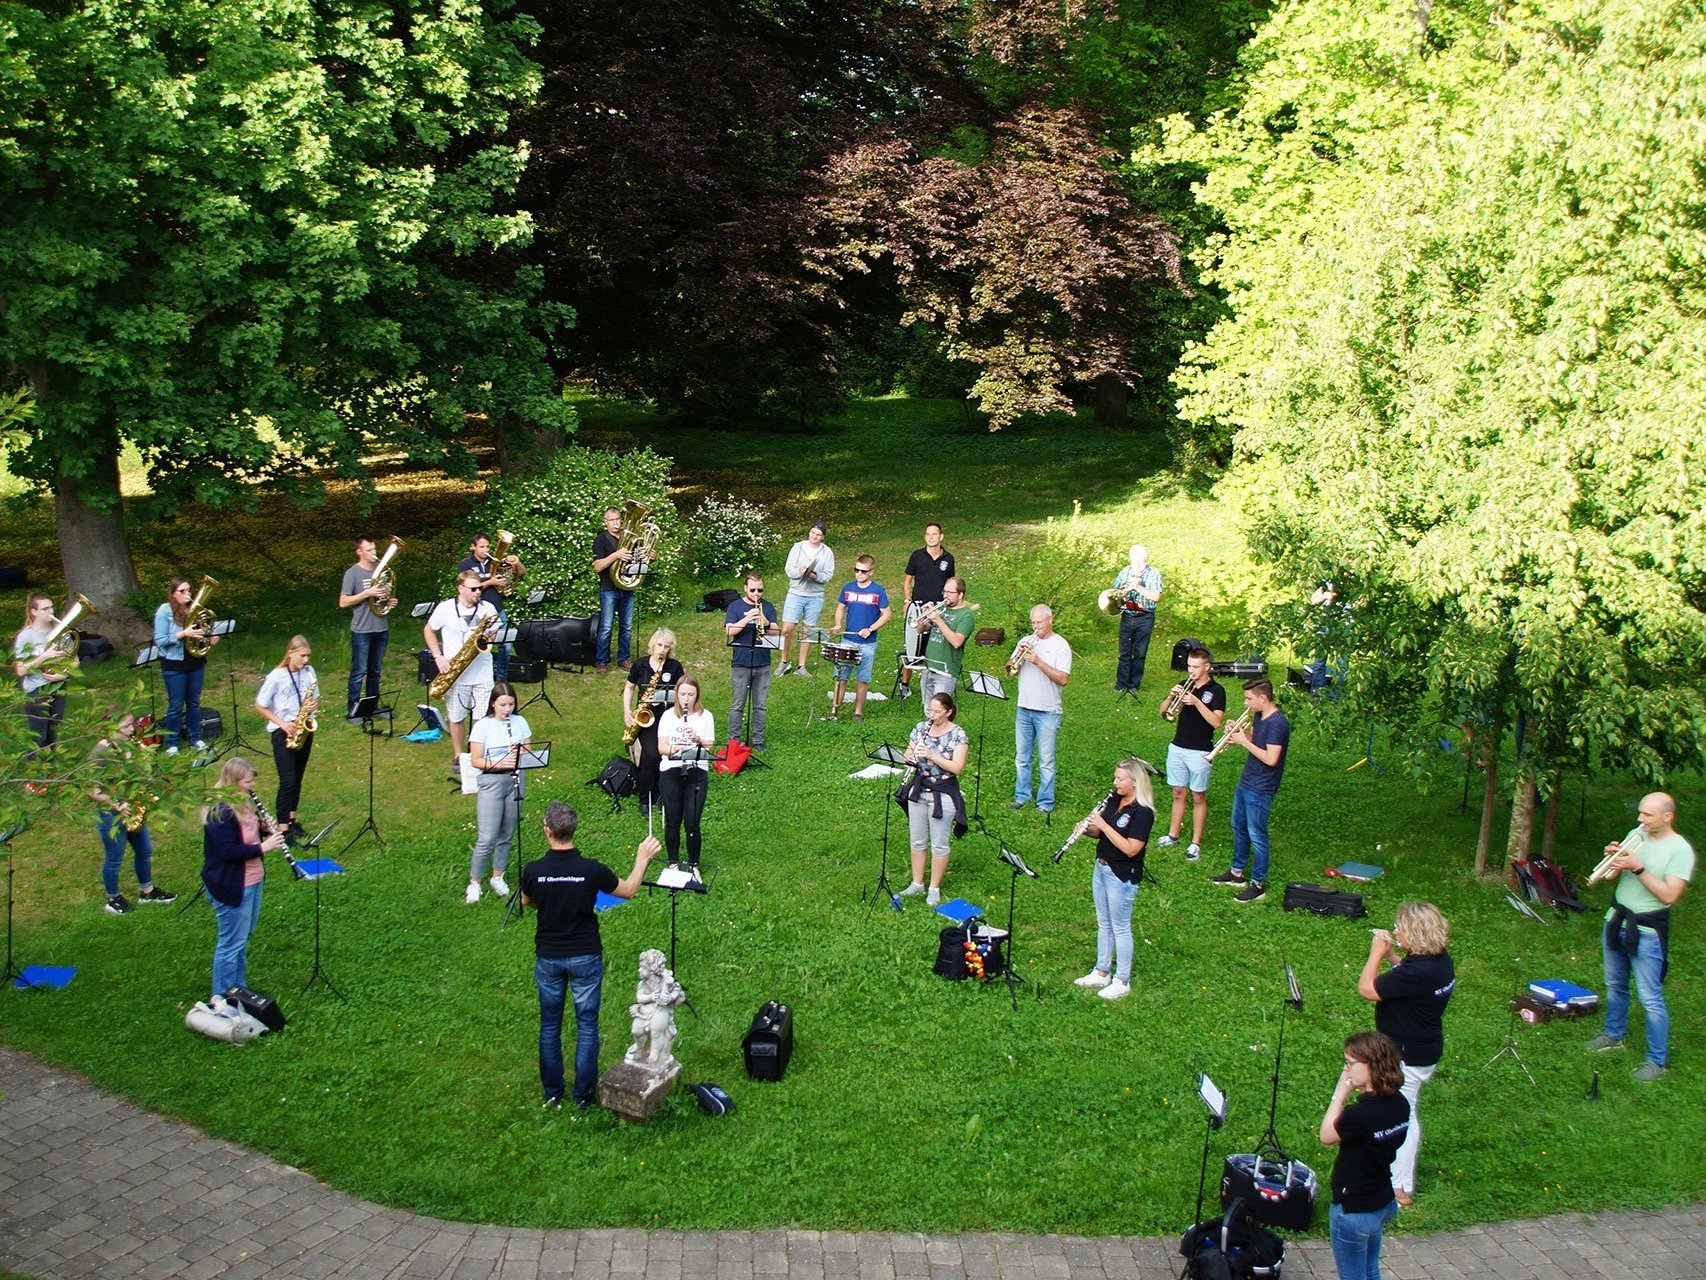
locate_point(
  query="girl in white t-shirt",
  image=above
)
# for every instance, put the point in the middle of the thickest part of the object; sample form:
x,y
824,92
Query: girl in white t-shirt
x,y
683,783
494,749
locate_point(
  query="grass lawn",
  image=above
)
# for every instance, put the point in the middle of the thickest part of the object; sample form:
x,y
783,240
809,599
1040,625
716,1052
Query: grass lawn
x,y
911,1103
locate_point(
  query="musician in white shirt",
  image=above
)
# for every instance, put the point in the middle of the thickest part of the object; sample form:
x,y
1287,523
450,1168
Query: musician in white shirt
x,y
1045,667
683,728
811,564
446,631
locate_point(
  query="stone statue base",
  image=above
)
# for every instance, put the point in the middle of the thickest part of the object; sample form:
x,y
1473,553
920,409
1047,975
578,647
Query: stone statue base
x,y
634,1091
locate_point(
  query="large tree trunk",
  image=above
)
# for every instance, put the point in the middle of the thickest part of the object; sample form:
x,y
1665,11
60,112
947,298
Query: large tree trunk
x,y
1554,802
1521,841
1489,806
94,549
1112,397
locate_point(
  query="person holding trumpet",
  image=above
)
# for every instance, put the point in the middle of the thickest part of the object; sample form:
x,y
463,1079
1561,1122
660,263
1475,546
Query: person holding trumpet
x,y
1197,706
946,627
748,620
1043,663
1651,866
1267,742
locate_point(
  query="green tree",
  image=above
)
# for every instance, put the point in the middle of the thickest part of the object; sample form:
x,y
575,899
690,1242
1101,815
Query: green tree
x,y
1464,258
251,240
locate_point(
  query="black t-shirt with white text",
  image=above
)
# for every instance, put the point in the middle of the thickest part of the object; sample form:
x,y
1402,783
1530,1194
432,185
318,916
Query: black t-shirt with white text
x,y
1135,823
929,573
1371,1130
1413,995
564,886
1193,732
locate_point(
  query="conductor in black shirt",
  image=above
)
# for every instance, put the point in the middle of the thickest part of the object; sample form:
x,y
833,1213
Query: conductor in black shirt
x,y
564,886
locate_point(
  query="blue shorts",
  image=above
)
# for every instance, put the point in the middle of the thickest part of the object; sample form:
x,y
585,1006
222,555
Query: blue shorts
x,y
867,662
1187,768
798,608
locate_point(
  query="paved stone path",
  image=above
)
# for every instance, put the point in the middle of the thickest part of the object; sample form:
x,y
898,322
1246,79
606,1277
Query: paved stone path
x,y
91,1186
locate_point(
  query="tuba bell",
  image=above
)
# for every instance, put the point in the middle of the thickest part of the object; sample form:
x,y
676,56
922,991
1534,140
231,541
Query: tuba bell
x,y
640,536
201,619
1109,602
502,579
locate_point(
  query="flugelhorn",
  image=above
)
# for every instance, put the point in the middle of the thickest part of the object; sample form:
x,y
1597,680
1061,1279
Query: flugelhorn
x,y
1017,658
385,579
1240,725
1603,871
62,642
934,610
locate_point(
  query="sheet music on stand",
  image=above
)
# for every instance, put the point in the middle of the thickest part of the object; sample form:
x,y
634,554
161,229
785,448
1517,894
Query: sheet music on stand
x,y
535,596
817,635
508,634
422,609
146,654
224,627
536,756
693,755
988,684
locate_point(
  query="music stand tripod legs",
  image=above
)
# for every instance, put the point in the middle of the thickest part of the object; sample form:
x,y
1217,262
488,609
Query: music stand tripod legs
x,y
371,709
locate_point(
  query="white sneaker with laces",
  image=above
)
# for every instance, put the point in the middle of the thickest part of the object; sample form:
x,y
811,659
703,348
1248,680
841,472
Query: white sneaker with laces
x,y
500,887
932,898
1193,852
1115,990
1095,978
199,745
473,894
172,750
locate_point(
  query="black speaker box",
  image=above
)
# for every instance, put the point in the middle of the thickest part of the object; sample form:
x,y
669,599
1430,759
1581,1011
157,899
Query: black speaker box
x,y
769,1042
262,1008
526,670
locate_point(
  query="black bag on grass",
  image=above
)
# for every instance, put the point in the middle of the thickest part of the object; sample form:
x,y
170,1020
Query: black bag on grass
x,y
1233,1246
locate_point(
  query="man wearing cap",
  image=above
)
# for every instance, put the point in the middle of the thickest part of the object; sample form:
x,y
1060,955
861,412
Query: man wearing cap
x,y
810,565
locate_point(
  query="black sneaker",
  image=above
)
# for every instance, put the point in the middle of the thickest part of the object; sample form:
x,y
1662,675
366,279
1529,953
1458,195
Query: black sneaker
x,y
1230,877
117,905
1254,893
296,832
156,894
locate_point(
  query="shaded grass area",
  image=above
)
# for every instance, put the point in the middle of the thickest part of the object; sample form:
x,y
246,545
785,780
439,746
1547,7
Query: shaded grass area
x,y
911,1102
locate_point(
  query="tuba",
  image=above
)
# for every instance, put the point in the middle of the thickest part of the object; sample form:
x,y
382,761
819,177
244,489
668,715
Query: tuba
x,y
306,721
640,535
385,578
478,641
201,618
62,642
502,579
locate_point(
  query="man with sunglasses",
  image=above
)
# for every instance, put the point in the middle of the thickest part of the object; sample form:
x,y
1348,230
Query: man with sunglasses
x,y
861,610
748,619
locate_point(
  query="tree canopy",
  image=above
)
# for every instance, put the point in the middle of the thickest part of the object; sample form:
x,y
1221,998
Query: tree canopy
x,y
1464,258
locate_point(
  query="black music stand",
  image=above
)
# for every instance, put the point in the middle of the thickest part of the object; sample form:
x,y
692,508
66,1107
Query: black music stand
x,y
368,709
1509,1045
676,881
13,971
1017,865
885,754
534,756
987,685
307,872
147,656
1214,1103
236,741
1293,1000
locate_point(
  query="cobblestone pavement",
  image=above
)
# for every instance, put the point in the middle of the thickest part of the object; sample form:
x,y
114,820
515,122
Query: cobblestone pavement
x,y
91,1186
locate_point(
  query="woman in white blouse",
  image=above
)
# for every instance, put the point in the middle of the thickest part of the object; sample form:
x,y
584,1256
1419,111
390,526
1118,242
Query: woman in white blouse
x,y
287,687
684,727
495,749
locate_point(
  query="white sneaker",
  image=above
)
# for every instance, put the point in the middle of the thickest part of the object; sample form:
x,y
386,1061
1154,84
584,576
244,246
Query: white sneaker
x,y
1115,990
1193,852
1166,842
785,668
473,894
500,887
1095,978
172,750
933,897
912,890
199,745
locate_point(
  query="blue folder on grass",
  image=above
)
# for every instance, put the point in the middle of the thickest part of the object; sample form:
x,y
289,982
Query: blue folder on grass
x,y
47,977
958,910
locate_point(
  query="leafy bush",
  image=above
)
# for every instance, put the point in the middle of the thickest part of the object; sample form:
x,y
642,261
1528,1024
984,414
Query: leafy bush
x,y
555,514
730,535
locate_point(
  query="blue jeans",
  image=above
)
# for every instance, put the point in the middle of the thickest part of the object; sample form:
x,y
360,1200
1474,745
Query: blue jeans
x,y
183,704
366,658
1250,811
1648,964
1114,900
114,838
231,950
584,977
1038,728
610,605
1356,1240
1135,630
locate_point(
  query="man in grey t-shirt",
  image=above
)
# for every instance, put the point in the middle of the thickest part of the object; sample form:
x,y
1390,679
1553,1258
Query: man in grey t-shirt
x,y
369,632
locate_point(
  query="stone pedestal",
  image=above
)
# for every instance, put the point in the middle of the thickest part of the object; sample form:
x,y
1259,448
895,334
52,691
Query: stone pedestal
x,y
634,1091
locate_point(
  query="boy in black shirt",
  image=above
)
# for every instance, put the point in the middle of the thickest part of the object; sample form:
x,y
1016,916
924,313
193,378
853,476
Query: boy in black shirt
x,y
564,886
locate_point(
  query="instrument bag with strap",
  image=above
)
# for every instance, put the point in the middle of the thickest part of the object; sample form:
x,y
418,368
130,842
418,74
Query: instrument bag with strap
x,y
1233,1246
1322,901
1278,1190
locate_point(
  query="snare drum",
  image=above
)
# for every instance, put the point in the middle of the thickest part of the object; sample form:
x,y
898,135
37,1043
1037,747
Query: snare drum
x,y
847,654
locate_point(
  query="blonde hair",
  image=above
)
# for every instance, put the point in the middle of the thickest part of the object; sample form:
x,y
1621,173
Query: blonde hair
x,y
231,775
664,636
1421,929
1143,789
297,645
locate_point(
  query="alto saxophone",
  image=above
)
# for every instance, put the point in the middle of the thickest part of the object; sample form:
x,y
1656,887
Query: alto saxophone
x,y
306,721
478,641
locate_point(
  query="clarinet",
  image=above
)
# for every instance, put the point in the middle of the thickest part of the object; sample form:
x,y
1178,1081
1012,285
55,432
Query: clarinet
x,y
272,826
1083,826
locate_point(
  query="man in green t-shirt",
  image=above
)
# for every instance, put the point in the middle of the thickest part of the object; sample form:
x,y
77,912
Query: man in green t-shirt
x,y
946,634
1651,867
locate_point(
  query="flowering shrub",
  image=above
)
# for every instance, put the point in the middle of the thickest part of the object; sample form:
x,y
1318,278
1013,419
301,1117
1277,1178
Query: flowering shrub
x,y
729,536
555,514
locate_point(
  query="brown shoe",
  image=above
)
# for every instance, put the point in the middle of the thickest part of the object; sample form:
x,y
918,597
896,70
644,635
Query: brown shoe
x,y
624,666
601,668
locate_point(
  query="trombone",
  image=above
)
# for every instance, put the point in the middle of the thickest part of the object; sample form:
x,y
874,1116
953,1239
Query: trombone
x,y
1603,871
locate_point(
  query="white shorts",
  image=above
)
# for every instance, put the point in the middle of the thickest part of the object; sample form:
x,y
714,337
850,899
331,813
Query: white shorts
x,y
467,701
1187,768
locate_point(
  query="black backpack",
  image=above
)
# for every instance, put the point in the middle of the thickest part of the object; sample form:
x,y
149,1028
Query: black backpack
x,y
1233,1246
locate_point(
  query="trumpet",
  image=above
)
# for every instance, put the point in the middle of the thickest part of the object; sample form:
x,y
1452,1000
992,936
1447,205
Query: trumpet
x,y
1082,827
933,610
1175,700
1603,871
1017,658
1240,725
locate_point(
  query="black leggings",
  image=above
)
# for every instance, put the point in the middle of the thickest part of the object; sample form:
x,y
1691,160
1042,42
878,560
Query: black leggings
x,y
683,802
291,766
649,759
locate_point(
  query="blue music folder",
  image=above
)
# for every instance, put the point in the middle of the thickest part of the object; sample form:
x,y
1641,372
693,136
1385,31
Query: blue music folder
x,y
314,868
958,910
47,977
608,902
1359,871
